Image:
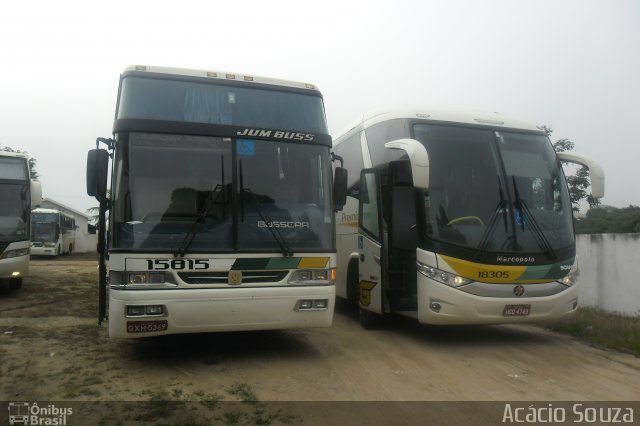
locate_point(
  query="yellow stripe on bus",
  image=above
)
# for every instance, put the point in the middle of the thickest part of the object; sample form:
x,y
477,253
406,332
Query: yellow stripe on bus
x,y
484,273
313,262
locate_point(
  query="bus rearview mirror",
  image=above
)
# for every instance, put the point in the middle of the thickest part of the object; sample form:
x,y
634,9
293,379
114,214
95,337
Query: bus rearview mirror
x,y
36,193
418,157
596,174
339,188
97,170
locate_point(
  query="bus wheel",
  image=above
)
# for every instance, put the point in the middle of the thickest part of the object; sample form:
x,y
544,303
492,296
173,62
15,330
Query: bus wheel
x,y
370,320
15,283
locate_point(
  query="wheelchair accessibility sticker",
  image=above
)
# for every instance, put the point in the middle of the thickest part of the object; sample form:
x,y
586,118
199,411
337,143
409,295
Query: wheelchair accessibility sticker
x,y
246,148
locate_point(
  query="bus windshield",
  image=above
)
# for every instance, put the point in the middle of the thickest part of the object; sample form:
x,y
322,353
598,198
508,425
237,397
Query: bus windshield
x,y
495,191
188,101
14,214
224,194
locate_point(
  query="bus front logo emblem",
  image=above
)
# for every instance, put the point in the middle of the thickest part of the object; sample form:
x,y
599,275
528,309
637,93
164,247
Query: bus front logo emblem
x,y
518,290
235,277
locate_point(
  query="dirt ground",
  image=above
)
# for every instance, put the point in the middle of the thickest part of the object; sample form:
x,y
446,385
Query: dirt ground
x,y
51,349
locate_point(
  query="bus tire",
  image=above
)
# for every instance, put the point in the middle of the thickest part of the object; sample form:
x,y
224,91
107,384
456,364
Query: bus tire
x,y
369,320
15,283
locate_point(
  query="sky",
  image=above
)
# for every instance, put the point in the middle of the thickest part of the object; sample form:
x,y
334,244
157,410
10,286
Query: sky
x,y
573,65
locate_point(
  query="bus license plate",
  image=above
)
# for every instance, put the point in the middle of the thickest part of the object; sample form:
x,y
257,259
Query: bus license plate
x,y
516,310
147,326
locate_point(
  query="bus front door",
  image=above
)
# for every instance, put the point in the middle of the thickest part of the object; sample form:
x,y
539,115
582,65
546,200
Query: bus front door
x,y
370,237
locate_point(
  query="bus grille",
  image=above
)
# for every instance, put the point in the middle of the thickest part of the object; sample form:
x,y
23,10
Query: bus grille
x,y
248,277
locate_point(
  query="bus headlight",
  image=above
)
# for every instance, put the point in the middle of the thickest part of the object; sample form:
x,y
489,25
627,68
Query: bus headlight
x,y
14,253
137,278
148,278
571,278
447,278
311,277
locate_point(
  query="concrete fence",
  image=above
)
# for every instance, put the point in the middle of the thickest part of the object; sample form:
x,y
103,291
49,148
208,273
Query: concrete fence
x,y
610,272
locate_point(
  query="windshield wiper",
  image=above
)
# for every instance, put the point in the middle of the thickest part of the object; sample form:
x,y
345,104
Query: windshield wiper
x,y
538,234
493,222
275,233
201,217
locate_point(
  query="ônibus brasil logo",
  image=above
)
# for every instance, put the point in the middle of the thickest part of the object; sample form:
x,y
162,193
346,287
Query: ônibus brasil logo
x,y
25,413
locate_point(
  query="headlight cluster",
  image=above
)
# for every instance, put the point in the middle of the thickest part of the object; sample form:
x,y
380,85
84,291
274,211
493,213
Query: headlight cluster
x,y
571,278
118,278
452,280
313,276
14,253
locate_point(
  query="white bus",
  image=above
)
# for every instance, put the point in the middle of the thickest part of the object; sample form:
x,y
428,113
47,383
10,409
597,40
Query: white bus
x,y
52,232
17,194
221,209
456,218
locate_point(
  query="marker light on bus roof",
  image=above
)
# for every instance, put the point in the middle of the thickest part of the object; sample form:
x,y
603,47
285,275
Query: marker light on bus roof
x,y
309,86
231,76
248,78
212,74
141,68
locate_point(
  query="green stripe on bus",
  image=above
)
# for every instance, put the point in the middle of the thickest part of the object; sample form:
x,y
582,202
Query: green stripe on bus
x,y
283,263
250,264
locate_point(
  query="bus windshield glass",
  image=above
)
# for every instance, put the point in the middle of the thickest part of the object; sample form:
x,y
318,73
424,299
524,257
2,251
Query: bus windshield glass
x,y
14,214
188,101
14,194
44,227
495,191
13,168
220,194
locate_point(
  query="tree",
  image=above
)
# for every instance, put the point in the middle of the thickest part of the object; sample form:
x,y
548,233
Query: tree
x,y
610,220
578,183
32,161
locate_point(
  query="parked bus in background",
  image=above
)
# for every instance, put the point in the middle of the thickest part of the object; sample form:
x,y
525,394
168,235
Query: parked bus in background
x,y
221,209
17,194
52,232
456,218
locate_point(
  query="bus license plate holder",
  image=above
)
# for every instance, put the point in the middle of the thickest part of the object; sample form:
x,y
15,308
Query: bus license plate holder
x,y
147,326
516,310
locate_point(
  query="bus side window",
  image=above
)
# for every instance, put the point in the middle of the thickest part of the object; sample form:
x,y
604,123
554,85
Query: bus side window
x,y
381,133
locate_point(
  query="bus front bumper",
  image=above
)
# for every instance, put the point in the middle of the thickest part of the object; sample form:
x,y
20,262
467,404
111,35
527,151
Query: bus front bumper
x,y
219,309
43,251
441,304
14,267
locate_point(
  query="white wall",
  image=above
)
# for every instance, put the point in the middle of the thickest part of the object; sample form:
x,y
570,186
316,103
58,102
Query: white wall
x,y
610,272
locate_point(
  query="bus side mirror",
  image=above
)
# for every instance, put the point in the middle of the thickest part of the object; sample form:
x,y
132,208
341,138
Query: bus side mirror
x,y
418,157
339,188
596,174
97,170
36,193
